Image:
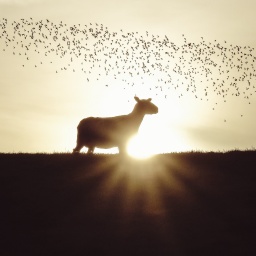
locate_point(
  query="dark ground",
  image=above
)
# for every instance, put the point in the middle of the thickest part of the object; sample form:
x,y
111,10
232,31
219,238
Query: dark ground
x,y
173,204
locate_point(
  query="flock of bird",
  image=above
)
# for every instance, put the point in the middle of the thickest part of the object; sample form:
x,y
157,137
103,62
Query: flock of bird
x,y
201,68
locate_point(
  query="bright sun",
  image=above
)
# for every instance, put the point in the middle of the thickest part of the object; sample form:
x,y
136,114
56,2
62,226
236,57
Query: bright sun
x,y
137,147
146,142
156,137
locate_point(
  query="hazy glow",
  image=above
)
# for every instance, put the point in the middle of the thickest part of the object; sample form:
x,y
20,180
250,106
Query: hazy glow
x,y
40,109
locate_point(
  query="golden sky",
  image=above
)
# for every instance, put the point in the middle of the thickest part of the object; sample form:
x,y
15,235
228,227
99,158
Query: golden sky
x,y
40,109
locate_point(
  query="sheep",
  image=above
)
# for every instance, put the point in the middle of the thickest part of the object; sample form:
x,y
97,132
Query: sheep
x,y
108,132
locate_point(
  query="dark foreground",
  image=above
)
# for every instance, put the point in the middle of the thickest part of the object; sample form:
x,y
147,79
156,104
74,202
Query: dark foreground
x,y
175,204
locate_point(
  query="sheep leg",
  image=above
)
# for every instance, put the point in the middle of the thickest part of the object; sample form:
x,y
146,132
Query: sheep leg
x,y
121,150
90,150
77,148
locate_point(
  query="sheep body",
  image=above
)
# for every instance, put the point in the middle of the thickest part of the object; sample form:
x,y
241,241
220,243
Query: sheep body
x,y
111,132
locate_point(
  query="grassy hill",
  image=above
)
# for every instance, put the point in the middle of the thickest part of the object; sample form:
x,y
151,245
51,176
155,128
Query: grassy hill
x,y
173,204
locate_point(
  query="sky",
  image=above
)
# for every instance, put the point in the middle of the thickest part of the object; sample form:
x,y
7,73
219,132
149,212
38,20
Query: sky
x,y
44,95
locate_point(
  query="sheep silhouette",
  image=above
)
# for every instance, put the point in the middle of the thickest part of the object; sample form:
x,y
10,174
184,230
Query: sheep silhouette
x,y
114,131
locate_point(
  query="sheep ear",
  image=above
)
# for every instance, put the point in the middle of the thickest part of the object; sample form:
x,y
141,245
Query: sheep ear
x,y
149,99
136,98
